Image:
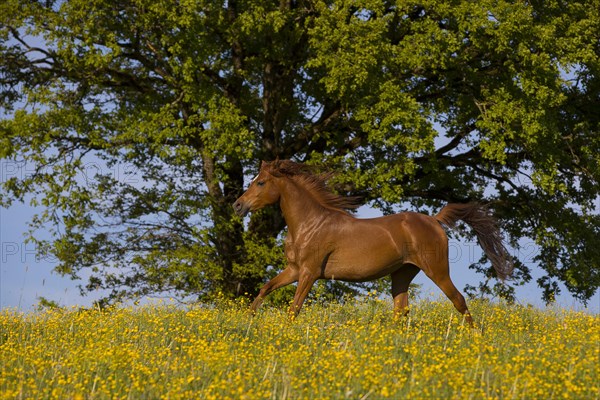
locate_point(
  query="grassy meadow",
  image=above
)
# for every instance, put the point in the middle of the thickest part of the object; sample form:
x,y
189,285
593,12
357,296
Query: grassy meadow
x,y
353,350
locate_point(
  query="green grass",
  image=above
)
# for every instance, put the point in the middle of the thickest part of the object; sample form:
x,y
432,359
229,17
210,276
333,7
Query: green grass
x,y
354,350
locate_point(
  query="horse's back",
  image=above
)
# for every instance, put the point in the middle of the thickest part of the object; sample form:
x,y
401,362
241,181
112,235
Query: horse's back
x,y
372,247
414,222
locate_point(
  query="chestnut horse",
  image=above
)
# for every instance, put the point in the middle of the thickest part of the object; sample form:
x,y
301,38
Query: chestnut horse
x,y
324,241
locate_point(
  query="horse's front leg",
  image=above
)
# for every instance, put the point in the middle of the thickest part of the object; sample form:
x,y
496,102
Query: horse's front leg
x,y
285,277
305,283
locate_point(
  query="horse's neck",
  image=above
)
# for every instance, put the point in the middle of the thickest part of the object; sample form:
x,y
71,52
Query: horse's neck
x,y
299,207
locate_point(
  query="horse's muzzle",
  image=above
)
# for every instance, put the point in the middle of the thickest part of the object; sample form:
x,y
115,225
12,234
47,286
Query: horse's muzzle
x,y
241,208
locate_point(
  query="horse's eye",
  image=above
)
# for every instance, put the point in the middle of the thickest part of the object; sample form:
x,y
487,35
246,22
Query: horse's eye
x,y
260,183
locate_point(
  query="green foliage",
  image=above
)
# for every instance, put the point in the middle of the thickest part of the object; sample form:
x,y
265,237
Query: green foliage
x,y
140,121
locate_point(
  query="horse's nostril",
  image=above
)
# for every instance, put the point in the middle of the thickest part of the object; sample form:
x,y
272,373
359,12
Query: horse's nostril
x,y
239,208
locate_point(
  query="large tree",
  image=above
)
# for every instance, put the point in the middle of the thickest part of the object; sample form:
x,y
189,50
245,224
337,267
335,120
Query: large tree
x,y
140,120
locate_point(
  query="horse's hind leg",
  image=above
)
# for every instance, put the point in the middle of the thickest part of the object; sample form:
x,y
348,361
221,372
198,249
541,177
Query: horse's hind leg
x,y
444,283
401,280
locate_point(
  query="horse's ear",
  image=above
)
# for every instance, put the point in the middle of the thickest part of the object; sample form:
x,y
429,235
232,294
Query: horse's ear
x,y
274,167
263,164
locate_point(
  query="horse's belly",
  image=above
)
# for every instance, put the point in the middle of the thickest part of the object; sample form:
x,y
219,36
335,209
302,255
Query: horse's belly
x,y
360,273
363,261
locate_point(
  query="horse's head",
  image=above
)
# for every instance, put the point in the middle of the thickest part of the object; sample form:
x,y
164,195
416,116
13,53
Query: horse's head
x,y
261,192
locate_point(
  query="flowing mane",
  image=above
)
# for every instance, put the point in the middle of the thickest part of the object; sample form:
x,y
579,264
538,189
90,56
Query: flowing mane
x,y
315,184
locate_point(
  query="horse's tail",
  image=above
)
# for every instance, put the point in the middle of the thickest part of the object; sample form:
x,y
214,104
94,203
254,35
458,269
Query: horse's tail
x,y
479,218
